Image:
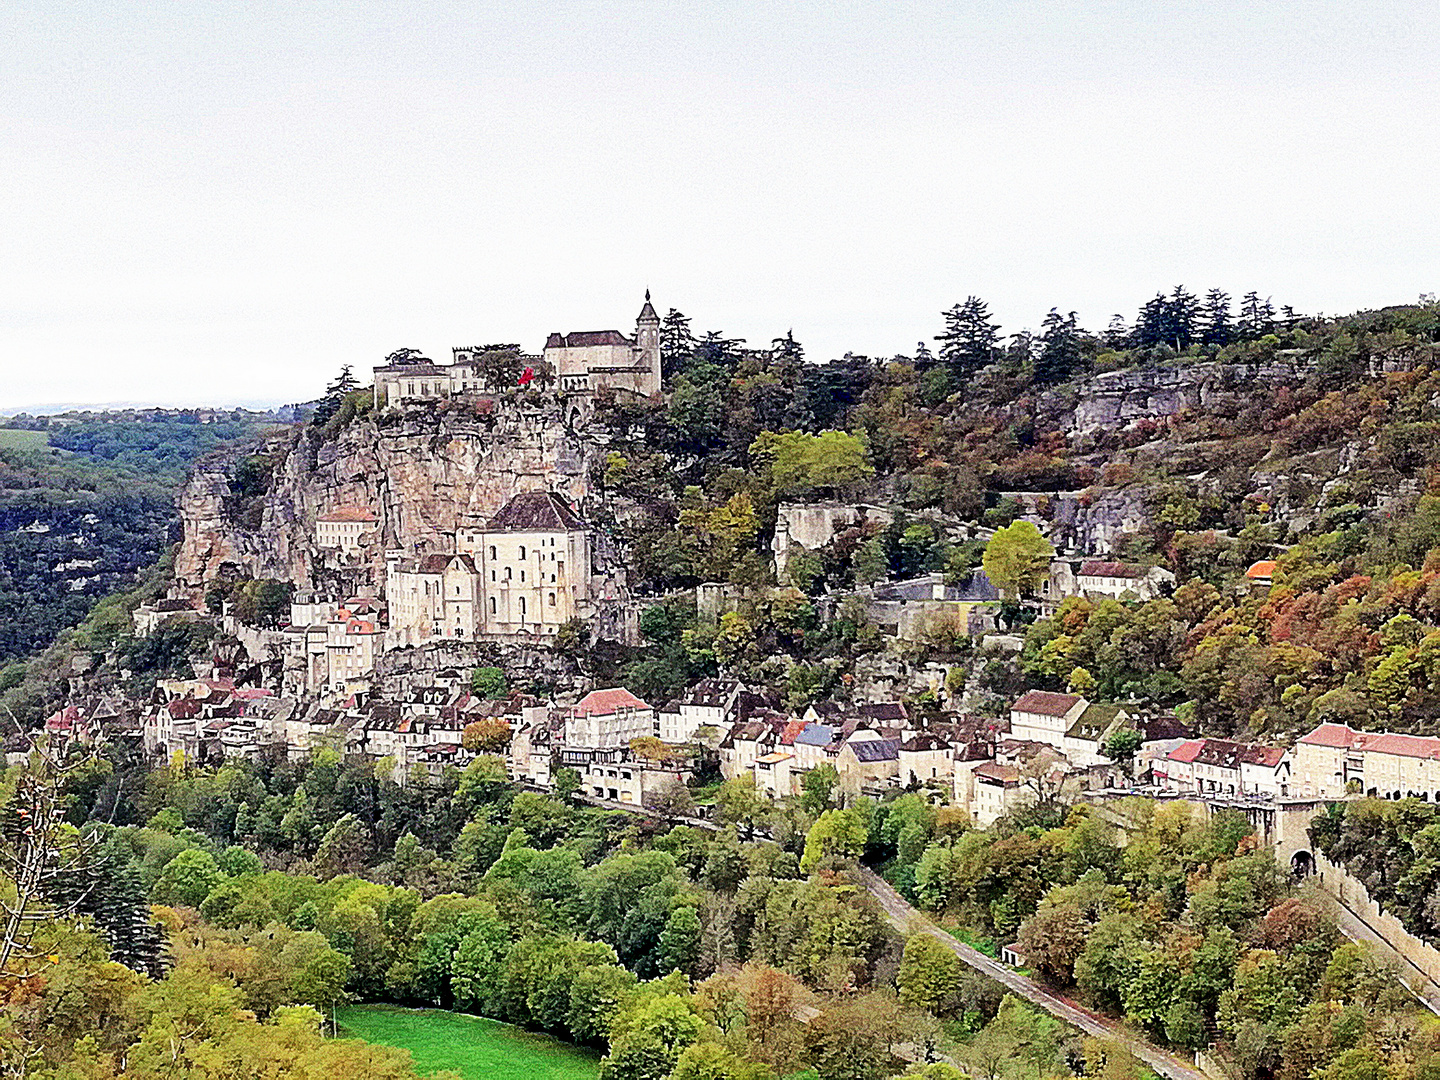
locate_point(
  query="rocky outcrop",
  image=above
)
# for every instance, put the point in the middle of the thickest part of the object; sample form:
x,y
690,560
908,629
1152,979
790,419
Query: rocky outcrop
x,y
421,472
1118,398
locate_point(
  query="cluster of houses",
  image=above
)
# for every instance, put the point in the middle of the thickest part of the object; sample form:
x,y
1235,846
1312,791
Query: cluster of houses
x,y
627,751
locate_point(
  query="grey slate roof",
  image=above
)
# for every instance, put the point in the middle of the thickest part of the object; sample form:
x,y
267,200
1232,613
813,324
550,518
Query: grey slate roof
x,y
876,750
536,511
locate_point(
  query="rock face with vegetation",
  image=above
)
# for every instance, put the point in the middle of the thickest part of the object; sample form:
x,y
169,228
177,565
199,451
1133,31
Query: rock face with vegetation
x,y
422,472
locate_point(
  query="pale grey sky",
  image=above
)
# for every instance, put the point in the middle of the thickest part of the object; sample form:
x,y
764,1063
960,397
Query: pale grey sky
x,y
225,202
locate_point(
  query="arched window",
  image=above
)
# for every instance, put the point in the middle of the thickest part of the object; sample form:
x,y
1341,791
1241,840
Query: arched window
x,y
522,607
522,551
552,599
492,605
492,551
507,573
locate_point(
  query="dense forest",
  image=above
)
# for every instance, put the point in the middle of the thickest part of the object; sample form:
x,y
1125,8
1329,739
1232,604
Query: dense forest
x,y
738,954
87,501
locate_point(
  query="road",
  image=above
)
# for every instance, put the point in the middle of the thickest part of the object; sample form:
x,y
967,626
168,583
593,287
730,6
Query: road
x,y
907,920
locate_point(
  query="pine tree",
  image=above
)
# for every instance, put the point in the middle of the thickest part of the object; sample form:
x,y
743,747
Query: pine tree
x,y
1257,317
1152,324
924,358
1117,334
787,349
1184,318
1060,350
971,339
122,911
677,343
1217,329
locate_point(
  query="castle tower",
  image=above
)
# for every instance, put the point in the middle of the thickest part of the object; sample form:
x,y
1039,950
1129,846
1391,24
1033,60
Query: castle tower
x,y
647,342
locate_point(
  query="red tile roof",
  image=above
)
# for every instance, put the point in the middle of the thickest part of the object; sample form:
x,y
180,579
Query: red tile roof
x,y
1045,703
348,513
1399,745
604,702
1187,751
1336,736
1265,568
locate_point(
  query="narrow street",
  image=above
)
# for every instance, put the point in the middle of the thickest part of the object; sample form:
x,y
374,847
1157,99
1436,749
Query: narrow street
x,y
907,920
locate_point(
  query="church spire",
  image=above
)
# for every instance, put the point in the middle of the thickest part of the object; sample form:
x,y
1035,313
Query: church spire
x,y
647,313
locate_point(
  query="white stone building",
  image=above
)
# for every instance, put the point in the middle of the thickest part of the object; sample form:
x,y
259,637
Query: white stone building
x,y
1043,716
607,718
346,528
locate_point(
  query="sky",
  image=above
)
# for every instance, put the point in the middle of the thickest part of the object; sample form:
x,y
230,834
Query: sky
x,y
223,203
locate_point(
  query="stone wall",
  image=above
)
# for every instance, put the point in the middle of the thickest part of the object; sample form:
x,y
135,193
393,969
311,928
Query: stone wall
x,y
1417,958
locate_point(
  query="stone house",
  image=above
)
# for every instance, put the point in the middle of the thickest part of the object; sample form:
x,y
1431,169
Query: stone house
x,y
607,718
924,757
709,703
346,528
1043,716
866,761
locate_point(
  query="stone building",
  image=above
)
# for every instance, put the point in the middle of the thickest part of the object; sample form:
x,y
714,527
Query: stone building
x,y
583,362
1043,716
344,528
524,573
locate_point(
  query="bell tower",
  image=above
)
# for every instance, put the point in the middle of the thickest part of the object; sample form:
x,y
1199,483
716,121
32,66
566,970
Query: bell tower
x,y
647,346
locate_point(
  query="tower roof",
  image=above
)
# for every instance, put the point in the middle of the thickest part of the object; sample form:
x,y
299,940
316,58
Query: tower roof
x,y
647,313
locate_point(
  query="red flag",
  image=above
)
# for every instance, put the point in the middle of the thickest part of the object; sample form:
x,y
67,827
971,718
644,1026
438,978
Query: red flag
x,y
527,375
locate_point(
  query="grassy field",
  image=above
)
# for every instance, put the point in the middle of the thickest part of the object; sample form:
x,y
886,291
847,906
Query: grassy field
x,y
18,439
476,1048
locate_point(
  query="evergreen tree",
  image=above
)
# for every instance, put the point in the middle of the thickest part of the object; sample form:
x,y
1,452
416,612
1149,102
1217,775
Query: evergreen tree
x,y
1184,317
1152,324
1257,317
123,913
970,339
1060,353
677,343
924,358
1117,334
787,350
1217,329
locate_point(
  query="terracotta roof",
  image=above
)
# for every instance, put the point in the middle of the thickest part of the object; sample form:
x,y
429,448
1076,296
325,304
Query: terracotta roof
x,y
1187,751
532,511
348,513
1337,736
1111,569
1046,703
791,731
1269,756
583,338
1399,745
1005,774
1265,568
604,702
771,759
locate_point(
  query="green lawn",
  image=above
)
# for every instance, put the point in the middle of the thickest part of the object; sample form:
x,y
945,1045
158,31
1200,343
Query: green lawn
x,y
19,439
476,1048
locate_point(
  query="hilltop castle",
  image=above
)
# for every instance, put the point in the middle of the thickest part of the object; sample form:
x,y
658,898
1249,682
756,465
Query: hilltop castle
x,y
580,363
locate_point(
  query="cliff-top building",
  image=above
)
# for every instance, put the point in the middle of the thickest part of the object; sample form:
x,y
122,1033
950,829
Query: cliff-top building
x,y
583,362
524,573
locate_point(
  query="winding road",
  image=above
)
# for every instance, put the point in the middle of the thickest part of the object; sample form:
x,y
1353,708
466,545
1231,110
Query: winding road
x,y
908,921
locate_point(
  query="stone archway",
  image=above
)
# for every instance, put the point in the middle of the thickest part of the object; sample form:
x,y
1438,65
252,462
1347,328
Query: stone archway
x,y
1302,864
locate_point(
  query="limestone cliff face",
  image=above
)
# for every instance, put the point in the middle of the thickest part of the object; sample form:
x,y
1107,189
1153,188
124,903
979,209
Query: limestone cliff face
x,y
421,472
1118,398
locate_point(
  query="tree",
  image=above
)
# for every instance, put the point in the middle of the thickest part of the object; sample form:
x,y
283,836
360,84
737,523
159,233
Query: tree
x,y
489,682
929,973
817,789
1017,558
712,1061
838,834
486,736
680,941
1122,746
1061,354
971,340
187,879
649,1038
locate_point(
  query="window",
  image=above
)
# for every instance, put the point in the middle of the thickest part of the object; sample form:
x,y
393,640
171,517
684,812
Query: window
x,y
552,599
492,605
507,573
492,551
522,607
492,575
522,551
